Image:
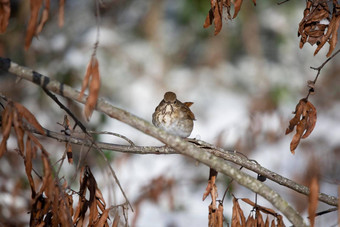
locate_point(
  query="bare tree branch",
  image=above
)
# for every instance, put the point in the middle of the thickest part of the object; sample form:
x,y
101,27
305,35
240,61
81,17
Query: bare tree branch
x,y
311,84
219,152
179,144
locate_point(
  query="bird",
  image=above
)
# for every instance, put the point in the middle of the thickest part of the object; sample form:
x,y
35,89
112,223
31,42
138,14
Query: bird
x,y
173,116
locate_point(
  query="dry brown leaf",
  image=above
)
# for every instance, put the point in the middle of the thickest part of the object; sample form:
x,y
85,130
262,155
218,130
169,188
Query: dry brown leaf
x,y
55,205
93,217
100,199
295,120
211,189
212,218
237,216
25,113
313,29
251,222
220,215
69,153
273,223
47,178
304,120
261,208
311,119
6,120
19,132
300,128
259,219
266,224
332,31
35,6
92,72
93,91
280,221
103,218
61,13
116,220
86,79
44,17
237,7
313,200
209,19
218,10
28,166
215,15
5,12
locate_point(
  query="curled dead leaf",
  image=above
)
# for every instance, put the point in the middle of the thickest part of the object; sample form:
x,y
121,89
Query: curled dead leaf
x,y
215,15
25,113
44,17
35,6
238,218
304,120
311,119
220,215
6,123
250,221
313,28
237,7
92,72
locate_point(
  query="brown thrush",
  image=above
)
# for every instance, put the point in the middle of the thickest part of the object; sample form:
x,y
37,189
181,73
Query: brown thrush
x,y
174,116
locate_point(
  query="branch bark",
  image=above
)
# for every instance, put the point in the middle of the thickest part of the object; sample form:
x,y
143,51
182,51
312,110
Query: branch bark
x,y
179,144
219,152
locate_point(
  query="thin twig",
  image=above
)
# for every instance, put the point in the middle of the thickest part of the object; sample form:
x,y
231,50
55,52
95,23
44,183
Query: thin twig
x,y
326,211
318,69
115,134
284,1
95,46
83,128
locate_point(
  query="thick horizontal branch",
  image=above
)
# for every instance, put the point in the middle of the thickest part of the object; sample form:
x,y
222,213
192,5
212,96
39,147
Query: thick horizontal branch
x,y
180,145
219,152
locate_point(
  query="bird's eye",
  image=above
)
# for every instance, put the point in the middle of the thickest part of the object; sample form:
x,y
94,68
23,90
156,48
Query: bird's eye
x,y
175,101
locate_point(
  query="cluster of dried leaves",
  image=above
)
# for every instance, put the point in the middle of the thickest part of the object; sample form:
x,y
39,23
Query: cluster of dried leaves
x,y
17,115
319,25
238,219
215,213
216,12
254,218
52,204
152,192
92,72
37,19
304,120
89,189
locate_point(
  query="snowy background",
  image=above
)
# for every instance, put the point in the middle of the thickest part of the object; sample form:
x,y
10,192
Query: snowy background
x,y
244,83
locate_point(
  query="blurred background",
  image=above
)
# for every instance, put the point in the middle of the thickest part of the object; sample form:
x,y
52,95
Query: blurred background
x,y
245,83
